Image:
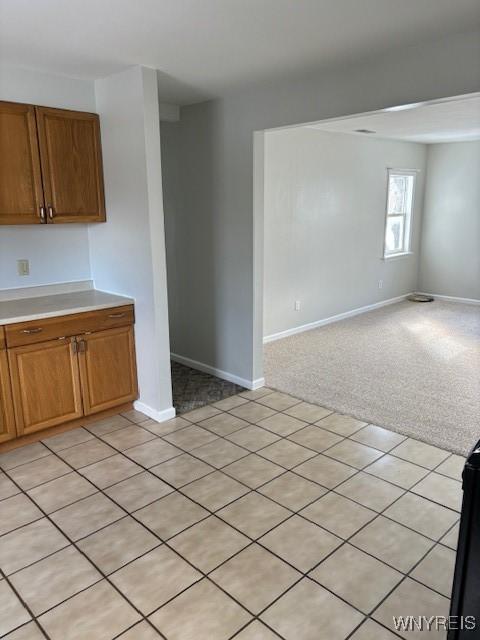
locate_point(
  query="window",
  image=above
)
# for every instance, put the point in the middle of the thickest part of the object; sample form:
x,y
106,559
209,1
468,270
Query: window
x,y
399,212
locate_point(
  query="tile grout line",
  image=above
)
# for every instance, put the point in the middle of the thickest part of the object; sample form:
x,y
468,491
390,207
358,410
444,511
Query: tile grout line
x,y
297,512
162,542
404,578
350,437
26,607
315,454
104,576
287,437
357,471
213,513
294,513
405,491
391,429
253,541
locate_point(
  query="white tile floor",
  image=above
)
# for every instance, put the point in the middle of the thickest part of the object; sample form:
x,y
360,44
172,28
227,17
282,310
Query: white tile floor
x,y
255,518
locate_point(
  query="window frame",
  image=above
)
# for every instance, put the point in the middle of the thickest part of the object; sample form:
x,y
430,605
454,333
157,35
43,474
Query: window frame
x,y
407,216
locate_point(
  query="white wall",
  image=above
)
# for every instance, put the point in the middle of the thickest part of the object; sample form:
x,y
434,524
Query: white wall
x,y
325,196
128,253
172,197
221,320
56,253
450,255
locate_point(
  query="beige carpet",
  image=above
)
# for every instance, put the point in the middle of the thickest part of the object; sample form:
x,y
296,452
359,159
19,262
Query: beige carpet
x,y
414,368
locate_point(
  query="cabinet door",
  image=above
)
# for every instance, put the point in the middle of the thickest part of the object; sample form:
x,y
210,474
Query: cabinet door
x,y
46,384
21,193
70,151
107,368
7,420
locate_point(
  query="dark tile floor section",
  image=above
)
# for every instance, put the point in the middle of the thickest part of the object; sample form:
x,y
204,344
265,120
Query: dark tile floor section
x,y
193,389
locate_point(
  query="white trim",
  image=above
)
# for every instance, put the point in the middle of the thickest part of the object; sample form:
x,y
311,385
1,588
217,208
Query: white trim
x,y
256,384
437,296
351,116
158,416
258,245
331,319
219,373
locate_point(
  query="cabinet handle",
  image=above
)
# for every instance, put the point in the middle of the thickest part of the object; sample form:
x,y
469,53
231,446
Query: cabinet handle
x,y
29,331
82,346
116,315
74,344
50,212
42,213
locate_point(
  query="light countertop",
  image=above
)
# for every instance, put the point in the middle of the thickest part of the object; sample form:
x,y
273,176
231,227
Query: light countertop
x,y
60,304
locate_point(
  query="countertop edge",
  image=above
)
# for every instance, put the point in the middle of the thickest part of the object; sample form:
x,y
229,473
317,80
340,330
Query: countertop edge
x,y
66,312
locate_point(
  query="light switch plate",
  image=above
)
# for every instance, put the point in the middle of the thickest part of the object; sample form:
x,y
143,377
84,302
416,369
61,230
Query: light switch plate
x,y
23,267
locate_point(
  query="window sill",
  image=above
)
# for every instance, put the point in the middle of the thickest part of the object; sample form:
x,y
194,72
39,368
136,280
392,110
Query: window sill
x,y
397,255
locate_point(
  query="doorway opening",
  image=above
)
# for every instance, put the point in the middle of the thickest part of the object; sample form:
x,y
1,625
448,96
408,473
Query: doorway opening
x,y
194,384
352,215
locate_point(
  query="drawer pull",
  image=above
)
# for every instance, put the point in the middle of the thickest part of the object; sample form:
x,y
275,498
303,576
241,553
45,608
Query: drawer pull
x,y
116,315
29,331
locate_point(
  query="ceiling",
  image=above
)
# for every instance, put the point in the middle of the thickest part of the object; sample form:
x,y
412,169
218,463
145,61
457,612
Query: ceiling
x,y
205,48
449,121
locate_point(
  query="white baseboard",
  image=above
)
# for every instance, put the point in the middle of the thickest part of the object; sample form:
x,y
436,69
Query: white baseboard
x,y
158,416
256,384
219,373
331,319
450,298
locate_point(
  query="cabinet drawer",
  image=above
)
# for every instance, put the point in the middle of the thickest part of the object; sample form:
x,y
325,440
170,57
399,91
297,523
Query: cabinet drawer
x,y
23,333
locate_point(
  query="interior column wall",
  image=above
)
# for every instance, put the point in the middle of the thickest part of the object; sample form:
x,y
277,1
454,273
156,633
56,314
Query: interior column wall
x,y
450,249
172,204
128,252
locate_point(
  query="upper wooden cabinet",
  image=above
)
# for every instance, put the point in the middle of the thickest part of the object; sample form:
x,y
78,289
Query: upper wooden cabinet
x,y
71,165
21,191
50,166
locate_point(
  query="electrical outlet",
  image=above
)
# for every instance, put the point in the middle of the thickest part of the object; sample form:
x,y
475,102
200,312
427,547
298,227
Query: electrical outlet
x,y
23,267
380,284
297,305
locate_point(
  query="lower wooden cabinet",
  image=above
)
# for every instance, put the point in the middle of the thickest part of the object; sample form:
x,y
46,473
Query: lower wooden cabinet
x,y
107,369
46,384
63,378
7,420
